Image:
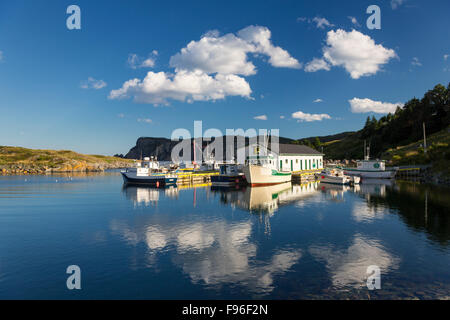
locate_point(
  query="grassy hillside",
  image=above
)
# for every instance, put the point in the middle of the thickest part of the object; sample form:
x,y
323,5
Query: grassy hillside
x,y
438,152
402,128
23,160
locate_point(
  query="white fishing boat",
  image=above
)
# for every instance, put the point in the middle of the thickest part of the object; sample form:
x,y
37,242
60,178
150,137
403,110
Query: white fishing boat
x,y
371,169
148,172
259,175
261,170
337,176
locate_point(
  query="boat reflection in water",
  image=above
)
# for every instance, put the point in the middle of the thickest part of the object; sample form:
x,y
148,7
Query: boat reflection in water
x,y
265,199
146,195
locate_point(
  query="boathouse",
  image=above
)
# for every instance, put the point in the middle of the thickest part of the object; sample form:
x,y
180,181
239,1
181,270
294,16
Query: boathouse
x,y
288,158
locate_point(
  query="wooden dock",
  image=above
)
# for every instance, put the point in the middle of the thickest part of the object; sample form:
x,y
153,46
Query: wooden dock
x,y
304,176
195,177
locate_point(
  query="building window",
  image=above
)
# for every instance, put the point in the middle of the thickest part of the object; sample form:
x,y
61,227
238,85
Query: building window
x,y
287,161
296,161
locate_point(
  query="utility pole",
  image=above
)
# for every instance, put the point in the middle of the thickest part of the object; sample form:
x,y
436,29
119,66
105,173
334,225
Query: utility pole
x,y
424,139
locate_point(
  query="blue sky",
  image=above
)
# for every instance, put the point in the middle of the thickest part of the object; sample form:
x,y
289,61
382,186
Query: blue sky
x,y
64,89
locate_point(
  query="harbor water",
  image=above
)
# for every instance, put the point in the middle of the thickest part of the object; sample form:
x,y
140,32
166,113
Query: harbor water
x,y
311,241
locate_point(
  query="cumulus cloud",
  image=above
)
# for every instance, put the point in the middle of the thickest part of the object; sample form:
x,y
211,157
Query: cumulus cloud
x,y
1,55
316,65
134,61
318,100
228,54
157,88
262,117
396,3
308,117
260,38
209,69
367,105
445,56
354,51
92,83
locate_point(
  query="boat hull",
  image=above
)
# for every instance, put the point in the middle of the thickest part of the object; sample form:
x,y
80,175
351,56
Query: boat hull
x,y
157,180
388,174
261,176
227,181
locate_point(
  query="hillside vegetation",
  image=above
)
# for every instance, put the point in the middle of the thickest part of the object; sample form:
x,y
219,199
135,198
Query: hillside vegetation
x,y
402,128
15,160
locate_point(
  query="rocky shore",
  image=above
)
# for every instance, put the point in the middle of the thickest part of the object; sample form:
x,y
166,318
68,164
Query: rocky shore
x,y
22,161
22,169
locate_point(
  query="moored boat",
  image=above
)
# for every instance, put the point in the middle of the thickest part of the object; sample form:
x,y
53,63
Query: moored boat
x,y
336,176
229,175
259,175
371,169
147,173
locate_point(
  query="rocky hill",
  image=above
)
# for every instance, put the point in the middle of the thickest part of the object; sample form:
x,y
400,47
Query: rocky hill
x,y
162,147
16,160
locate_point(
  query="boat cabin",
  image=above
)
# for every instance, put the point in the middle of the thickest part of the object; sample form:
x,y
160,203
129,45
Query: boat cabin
x,y
371,165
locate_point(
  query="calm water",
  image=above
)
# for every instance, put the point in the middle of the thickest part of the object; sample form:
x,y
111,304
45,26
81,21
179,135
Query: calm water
x,y
284,242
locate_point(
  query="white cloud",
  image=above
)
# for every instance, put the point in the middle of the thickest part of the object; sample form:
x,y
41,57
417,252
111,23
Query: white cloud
x,y
228,54
146,120
134,61
367,105
262,117
354,51
260,38
308,117
397,3
415,62
316,65
208,69
318,100
446,56
121,115
282,117
320,22
157,88
1,55
354,20
92,83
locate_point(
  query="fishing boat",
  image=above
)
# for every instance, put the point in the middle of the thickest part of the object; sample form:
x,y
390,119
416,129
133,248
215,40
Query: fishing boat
x,y
147,172
371,169
229,175
260,173
337,176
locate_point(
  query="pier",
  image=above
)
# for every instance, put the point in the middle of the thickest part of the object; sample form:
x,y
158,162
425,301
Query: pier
x,y
304,176
192,177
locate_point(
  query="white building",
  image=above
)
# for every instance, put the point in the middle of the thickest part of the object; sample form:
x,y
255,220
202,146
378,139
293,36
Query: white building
x,y
289,158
